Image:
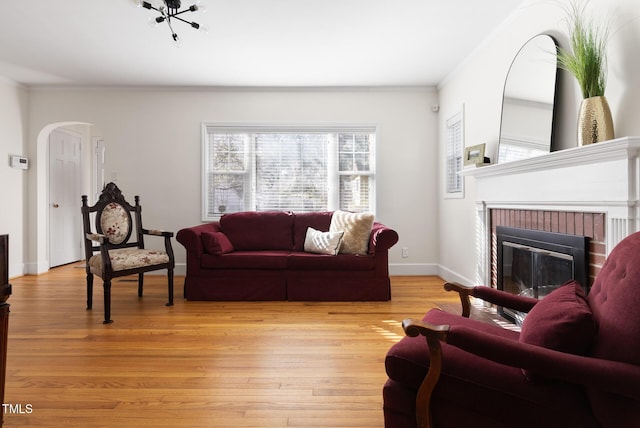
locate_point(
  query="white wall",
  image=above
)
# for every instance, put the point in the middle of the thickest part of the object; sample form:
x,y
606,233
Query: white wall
x,y
153,140
13,139
478,85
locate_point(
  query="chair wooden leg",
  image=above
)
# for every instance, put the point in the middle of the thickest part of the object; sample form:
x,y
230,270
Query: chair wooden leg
x,y
170,282
107,302
140,284
89,290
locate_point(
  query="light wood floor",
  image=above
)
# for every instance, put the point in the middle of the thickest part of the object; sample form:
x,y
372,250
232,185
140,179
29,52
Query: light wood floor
x,y
200,364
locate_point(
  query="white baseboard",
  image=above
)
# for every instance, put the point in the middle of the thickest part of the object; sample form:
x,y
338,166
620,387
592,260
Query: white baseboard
x,y
397,269
35,268
16,270
420,269
413,269
180,269
451,276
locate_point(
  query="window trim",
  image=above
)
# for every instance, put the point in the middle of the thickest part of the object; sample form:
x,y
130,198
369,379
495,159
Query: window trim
x,y
334,174
457,118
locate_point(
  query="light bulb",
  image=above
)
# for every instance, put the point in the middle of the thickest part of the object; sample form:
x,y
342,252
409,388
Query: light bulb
x,y
201,7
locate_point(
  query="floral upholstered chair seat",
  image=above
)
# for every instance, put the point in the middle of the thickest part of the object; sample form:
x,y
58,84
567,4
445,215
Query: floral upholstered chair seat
x,y
130,258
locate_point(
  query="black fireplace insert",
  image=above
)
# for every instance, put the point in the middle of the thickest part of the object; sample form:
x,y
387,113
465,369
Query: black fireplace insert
x,y
533,263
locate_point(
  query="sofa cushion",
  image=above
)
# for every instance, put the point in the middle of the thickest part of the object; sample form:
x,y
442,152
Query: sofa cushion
x,y
270,260
356,228
216,243
322,242
341,262
251,231
302,221
561,321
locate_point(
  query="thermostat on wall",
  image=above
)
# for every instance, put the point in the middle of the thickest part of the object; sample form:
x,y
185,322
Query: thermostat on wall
x,y
19,162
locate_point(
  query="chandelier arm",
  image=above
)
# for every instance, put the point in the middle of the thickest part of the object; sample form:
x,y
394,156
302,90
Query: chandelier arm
x,y
176,13
150,6
184,20
174,35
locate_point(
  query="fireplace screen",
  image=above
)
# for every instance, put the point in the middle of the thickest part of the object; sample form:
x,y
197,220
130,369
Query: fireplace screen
x,y
532,263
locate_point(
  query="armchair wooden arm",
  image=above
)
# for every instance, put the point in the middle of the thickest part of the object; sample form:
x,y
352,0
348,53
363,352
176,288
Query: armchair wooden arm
x,y
464,292
98,237
167,241
157,232
434,335
491,295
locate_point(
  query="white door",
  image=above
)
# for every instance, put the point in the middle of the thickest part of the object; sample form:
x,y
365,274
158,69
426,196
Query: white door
x,y
65,221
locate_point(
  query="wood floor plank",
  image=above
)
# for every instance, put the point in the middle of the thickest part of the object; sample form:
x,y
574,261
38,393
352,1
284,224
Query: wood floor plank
x,y
200,364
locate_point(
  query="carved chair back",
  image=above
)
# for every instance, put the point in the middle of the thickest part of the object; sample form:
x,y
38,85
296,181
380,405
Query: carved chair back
x,y
113,218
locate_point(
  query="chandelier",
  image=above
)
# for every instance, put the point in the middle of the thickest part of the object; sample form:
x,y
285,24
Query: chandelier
x,y
170,9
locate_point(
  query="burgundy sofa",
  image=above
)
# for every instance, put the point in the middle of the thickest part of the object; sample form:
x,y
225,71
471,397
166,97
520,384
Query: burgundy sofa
x,y
260,256
576,362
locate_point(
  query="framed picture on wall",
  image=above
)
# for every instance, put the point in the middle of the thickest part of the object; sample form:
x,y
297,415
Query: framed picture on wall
x,y
474,155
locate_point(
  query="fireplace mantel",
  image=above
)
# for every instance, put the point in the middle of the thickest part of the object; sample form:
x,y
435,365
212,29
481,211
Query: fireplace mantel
x,y
621,148
600,174
602,177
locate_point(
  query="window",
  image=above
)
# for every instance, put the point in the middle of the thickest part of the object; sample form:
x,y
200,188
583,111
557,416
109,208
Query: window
x,y
454,148
296,169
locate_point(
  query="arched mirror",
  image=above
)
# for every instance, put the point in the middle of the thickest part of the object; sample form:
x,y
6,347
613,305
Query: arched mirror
x,y
526,128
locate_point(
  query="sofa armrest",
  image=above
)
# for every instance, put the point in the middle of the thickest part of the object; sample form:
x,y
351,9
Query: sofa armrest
x,y
191,239
382,238
608,375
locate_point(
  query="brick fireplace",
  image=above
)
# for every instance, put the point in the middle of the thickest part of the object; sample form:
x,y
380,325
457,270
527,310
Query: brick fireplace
x,y
589,224
589,191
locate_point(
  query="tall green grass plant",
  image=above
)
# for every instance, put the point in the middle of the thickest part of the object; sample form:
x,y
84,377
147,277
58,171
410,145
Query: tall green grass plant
x,y
587,58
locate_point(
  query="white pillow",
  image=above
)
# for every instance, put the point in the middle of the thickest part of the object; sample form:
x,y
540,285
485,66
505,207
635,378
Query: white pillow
x,y
322,242
356,228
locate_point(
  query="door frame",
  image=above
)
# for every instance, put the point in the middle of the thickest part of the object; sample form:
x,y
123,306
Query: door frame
x,y
72,133
38,245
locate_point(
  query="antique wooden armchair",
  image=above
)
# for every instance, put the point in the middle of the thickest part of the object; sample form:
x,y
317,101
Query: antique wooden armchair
x,y
112,249
575,362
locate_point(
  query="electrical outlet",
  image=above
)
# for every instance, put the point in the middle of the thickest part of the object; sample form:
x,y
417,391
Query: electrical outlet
x,y
405,252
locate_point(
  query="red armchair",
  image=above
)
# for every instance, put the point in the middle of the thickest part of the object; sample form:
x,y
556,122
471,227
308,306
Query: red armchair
x,y
575,363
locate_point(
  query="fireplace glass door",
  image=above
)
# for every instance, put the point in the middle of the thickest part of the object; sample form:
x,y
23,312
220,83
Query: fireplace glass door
x,y
533,263
532,272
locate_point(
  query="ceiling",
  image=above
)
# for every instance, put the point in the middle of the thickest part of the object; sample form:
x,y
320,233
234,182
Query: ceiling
x,y
250,43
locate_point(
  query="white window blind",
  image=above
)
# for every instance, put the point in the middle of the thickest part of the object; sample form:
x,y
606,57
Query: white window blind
x,y
355,170
226,172
291,171
454,148
303,170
